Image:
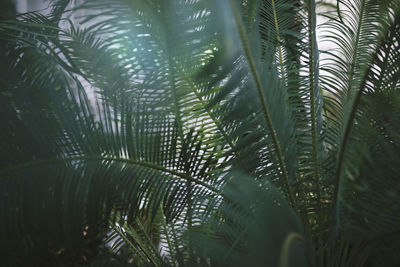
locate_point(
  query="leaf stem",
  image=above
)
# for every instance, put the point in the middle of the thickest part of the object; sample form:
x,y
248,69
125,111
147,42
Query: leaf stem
x,y
264,105
278,38
313,61
352,112
122,160
285,250
133,246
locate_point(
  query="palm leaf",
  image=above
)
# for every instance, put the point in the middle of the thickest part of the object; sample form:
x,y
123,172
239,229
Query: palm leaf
x,y
123,118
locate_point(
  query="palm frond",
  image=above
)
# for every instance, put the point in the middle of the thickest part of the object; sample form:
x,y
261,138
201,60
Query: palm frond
x,y
193,133
255,221
142,154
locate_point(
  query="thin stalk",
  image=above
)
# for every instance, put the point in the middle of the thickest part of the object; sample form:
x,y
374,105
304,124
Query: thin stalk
x,y
307,225
285,250
356,48
313,87
356,102
353,111
204,104
171,249
264,105
121,160
135,246
278,38
147,237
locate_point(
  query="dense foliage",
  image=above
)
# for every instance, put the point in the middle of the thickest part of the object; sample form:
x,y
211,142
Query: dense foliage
x,y
200,133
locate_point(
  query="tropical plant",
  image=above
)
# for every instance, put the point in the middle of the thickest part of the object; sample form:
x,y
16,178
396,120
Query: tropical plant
x,y
201,133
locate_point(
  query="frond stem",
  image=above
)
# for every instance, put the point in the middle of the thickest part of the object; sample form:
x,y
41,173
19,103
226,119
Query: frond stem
x,y
313,88
278,38
352,115
167,236
145,164
203,103
285,250
264,105
134,246
356,47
